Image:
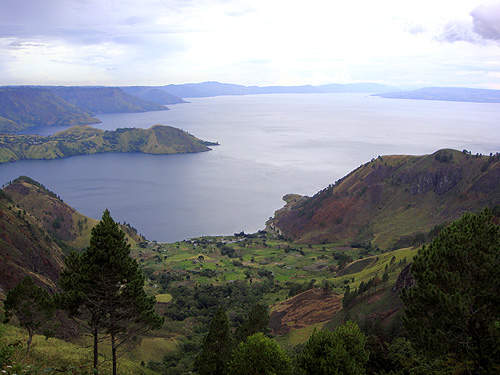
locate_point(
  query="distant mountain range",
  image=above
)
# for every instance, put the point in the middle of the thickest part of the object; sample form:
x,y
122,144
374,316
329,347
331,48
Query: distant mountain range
x,y
458,94
206,89
22,107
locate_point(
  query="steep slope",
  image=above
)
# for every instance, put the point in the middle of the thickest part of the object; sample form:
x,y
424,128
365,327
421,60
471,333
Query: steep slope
x,y
393,198
37,229
25,248
29,106
87,140
153,95
104,100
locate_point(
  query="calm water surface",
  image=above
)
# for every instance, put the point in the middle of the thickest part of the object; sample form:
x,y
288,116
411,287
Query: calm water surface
x,y
270,145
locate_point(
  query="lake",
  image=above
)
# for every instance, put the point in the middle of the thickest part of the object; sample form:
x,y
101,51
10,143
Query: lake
x,y
271,145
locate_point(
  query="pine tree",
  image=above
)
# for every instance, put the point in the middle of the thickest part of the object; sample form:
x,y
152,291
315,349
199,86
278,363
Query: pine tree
x,y
31,305
216,349
104,286
454,307
257,321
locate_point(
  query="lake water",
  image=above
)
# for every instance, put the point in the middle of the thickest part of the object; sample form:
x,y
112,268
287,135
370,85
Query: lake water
x,y
271,145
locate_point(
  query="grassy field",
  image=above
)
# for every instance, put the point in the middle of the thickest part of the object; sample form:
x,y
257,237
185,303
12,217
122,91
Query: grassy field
x,y
54,356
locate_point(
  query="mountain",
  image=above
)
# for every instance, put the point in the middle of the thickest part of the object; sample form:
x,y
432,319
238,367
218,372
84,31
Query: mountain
x,y
457,94
152,94
206,89
84,140
36,230
24,107
104,99
392,201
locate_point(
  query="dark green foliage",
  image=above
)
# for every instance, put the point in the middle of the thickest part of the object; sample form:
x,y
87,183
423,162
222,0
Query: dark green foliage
x,y
217,346
259,355
257,321
341,352
32,306
454,308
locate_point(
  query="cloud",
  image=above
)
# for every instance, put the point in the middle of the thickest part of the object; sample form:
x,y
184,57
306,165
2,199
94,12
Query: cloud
x,y
457,31
486,21
482,25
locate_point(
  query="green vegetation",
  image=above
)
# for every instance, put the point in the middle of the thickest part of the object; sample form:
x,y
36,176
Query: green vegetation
x,y
454,308
342,351
217,346
259,355
103,286
86,140
31,305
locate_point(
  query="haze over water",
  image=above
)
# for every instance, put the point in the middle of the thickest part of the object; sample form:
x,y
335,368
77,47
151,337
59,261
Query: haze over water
x,y
271,145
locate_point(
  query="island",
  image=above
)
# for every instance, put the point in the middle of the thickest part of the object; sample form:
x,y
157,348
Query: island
x,y
85,140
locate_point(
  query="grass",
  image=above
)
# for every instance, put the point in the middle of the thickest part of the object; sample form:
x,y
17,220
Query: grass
x,y
163,298
54,356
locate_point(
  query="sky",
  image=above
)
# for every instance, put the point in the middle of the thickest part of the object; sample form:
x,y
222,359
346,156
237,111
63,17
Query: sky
x,y
257,42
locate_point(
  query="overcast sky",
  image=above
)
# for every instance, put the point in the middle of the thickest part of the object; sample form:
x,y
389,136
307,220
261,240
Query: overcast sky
x,y
154,42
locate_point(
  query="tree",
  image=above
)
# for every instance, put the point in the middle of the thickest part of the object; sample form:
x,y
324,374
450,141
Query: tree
x,y
454,307
259,355
216,350
257,321
342,351
104,287
31,305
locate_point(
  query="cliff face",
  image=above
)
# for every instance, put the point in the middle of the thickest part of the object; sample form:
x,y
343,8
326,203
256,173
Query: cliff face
x,y
393,197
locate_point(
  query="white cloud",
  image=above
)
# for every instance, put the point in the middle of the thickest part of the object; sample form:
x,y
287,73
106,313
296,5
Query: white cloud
x,y
250,42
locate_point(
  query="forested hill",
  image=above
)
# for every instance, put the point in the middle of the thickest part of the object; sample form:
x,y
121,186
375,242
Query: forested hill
x,y
105,100
24,107
84,140
393,201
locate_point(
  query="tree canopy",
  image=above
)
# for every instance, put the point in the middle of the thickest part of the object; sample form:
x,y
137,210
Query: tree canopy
x,y
259,355
341,352
453,309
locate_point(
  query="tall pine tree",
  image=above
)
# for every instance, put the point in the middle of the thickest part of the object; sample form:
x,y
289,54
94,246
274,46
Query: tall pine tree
x,y
104,286
216,350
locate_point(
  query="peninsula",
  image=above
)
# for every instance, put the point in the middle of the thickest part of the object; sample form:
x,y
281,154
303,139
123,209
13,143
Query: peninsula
x,y
84,140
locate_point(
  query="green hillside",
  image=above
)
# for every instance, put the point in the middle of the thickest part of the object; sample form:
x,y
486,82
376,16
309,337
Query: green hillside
x,y
29,106
393,201
87,140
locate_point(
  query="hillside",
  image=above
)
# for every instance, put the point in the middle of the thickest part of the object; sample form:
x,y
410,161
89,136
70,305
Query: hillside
x,y
37,229
153,94
24,107
80,140
104,99
392,201
457,94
